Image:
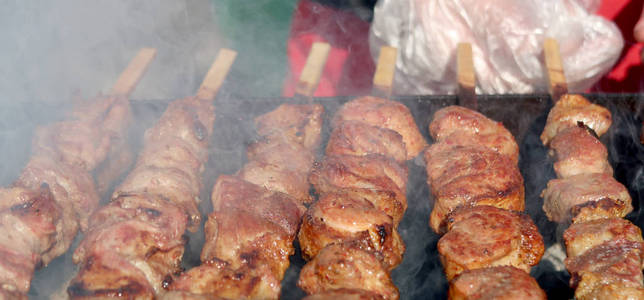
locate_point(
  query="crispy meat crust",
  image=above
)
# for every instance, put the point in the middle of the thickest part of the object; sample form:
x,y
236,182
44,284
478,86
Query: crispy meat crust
x,y
385,114
464,176
571,109
485,236
495,283
457,125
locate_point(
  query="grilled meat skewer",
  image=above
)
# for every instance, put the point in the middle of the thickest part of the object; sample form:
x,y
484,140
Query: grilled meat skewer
x,y
478,197
605,252
350,234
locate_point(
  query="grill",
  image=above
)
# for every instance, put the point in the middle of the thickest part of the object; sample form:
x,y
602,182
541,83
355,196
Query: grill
x,y
420,275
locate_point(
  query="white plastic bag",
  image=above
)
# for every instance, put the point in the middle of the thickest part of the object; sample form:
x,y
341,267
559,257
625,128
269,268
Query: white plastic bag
x,y
507,42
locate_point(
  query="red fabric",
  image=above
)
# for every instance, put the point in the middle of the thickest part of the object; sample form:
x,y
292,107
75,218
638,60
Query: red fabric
x,y
628,74
350,68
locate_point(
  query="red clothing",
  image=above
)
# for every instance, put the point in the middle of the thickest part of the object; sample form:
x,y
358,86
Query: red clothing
x,y
350,68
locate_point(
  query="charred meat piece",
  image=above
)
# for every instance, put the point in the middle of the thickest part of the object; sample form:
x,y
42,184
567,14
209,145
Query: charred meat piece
x,y
457,125
279,151
374,172
464,176
585,197
215,279
170,183
347,266
495,283
345,294
606,269
277,178
357,138
336,219
486,236
74,191
278,208
385,114
297,123
577,151
143,231
572,109
28,220
581,237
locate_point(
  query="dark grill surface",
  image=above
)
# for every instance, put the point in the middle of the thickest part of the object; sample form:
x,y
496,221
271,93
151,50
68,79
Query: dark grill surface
x,y
420,275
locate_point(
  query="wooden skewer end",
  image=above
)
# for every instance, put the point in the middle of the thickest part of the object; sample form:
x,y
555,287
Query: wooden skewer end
x,y
216,74
312,71
383,79
130,77
557,84
466,76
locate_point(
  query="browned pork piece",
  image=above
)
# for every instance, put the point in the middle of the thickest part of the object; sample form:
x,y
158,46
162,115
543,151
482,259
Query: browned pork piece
x,y
578,151
336,218
464,176
346,266
290,126
350,234
345,294
571,110
581,237
249,235
612,270
136,240
384,114
585,197
457,125
359,139
486,236
495,283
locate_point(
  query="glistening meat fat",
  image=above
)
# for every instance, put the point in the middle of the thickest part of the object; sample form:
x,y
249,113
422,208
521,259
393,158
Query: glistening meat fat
x,y
489,245
349,236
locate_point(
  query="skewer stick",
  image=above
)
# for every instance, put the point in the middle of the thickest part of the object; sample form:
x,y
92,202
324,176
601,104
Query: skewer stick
x,y
557,85
216,74
466,76
128,80
312,71
383,79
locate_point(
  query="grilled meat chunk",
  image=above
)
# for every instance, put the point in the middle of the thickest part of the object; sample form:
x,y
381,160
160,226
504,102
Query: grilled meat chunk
x,y
215,279
385,114
606,269
347,266
28,220
357,138
278,208
572,109
577,151
374,172
298,123
457,125
486,236
279,151
495,283
277,178
581,237
585,197
345,294
336,218
463,176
